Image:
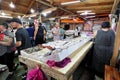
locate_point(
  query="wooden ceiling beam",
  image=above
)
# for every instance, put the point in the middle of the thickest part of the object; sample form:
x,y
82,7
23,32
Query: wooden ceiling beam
x,y
98,11
57,17
11,12
114,7
91,4
116,45
98,18
30,5
102,14
43,2
90,7
15,1
31,15
102,10
19,7
50,5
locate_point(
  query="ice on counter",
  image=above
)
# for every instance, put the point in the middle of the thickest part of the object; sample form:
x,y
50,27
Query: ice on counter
x,y
62,49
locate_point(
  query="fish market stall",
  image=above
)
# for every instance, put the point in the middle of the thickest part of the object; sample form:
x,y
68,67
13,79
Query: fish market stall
x,y
76,49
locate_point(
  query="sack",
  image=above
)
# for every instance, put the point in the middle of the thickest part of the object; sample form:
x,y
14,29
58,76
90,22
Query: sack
x,y
36,74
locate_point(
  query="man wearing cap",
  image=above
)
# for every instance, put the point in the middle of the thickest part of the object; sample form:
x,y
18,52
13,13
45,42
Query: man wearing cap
x,y
22,36
6,44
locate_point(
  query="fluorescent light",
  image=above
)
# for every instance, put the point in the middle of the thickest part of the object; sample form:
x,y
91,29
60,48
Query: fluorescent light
x,y
51,18
64,17
71,2
86,13
12,5
5,16
45,13
49,10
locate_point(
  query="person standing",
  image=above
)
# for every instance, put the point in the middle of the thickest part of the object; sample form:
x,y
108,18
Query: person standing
x,y
62,32
56,32
103,48
22,36
6,47
39,34
76,32
31,30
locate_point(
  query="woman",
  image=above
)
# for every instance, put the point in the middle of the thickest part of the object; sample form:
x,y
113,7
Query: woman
x,y
103,48
56,32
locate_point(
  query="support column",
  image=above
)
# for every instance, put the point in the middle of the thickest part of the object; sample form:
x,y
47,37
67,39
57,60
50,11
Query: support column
x,y
116,45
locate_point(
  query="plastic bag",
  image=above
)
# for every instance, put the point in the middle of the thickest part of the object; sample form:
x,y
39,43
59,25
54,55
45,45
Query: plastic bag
x,y
36,74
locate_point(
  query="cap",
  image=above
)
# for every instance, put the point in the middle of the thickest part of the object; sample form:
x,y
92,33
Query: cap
x,y
15,20
4,24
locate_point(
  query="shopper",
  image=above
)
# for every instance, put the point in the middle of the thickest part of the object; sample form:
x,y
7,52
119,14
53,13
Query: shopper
x,y
103,48
39,34
22,36
56,32
6,47
76,32
62,32
31,30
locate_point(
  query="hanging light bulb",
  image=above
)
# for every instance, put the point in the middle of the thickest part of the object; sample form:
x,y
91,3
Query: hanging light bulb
x,y
2,13
29,18
19,17
12,5
32,10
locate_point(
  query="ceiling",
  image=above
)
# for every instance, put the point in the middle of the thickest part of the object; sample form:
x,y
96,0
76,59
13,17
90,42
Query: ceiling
x,y
101,8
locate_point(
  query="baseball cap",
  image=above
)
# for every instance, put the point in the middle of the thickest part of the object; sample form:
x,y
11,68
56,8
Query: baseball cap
x,y
15,20
4,24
